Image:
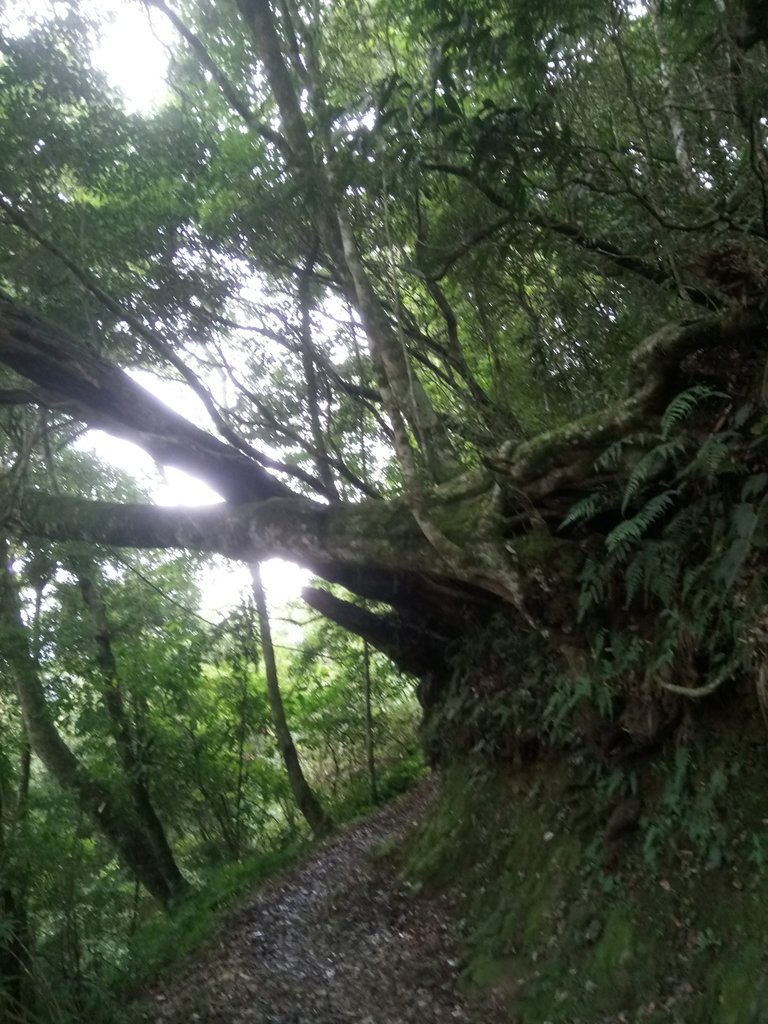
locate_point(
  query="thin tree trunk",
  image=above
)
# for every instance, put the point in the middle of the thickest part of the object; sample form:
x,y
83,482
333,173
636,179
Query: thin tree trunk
x,y
123,733
671,105
16,992
310,375
369,750
242,730
98,801
317,819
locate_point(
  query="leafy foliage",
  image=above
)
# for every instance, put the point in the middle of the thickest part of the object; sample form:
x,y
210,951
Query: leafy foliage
x,y
435,232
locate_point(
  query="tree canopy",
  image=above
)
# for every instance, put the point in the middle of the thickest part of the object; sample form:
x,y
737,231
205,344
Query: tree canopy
x,y
403,258
469,304
434,276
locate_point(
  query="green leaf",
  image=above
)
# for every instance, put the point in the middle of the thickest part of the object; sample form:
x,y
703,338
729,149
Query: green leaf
x,y
682,405
744,520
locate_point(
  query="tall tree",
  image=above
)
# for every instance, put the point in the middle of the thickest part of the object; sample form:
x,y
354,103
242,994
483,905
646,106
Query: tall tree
x,y
524,234
104,805
306,800
124,732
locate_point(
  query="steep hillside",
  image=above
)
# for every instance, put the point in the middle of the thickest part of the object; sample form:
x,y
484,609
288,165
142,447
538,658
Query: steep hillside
x,y
625,889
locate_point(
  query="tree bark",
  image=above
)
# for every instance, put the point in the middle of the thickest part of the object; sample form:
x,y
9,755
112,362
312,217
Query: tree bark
x,y
93,390
323,467
136,779
317,818
98,802
375,547
672,106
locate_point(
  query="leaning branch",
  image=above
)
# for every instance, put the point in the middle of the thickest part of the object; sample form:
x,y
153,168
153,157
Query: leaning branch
x,y
100,394
373,535
540,465
415,649
159,345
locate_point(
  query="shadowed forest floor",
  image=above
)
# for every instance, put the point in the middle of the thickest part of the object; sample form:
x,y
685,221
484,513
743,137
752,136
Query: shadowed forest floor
x,y
338,940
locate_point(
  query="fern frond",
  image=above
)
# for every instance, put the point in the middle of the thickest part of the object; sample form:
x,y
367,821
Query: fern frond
x,y
634,577
584,510
682,405
593,579
656,569
649,465
622,537
663,582
611,456
714,456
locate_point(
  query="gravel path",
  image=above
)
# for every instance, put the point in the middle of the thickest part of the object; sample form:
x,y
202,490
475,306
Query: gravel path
x,y
336,941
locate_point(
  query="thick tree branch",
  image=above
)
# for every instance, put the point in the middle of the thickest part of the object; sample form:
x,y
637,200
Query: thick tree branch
x,y
415,650
543,463
372,534
100,394
159,345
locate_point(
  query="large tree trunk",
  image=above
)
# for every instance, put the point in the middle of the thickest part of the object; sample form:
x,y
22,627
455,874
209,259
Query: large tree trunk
x,y
504,521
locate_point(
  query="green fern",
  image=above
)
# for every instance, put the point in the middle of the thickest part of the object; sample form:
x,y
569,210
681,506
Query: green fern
x,y
593,580
628,532
654,571
634,576
689,550
582,511
611,457
714,456
682,405
649,466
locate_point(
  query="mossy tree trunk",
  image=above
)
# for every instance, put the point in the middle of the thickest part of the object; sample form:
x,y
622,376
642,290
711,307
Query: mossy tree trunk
x,y
110,813
123,733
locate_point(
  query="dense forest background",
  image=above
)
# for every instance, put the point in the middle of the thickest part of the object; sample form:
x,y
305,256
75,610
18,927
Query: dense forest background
x,y
464,310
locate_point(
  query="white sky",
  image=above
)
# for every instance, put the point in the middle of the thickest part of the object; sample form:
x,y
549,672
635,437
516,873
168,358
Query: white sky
x,y
133,52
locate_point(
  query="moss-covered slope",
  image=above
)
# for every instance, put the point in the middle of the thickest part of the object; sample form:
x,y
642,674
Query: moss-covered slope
x,y
637,894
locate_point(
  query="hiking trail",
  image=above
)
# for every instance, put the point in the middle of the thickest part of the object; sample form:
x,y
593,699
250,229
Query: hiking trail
x,y
339,939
